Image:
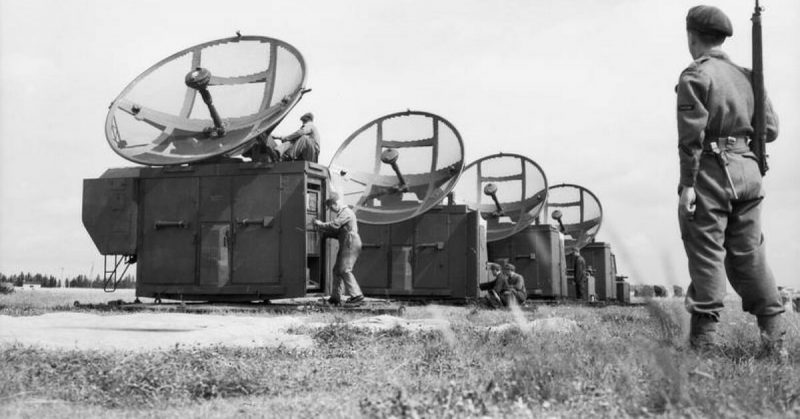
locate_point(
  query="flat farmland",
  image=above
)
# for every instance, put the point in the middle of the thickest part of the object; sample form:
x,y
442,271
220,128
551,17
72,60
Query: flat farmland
x,y
433,361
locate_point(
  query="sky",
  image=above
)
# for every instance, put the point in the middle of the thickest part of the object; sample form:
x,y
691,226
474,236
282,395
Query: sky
x,y
585,88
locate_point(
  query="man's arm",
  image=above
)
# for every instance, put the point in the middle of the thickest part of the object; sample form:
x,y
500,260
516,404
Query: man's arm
x,y
342,218
772,122
520,285
692,121
304,130
486,286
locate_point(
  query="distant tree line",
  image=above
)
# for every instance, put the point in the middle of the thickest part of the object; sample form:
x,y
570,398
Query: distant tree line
x,y
81,281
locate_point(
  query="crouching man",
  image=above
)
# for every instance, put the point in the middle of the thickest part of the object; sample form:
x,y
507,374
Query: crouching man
x,y
507,288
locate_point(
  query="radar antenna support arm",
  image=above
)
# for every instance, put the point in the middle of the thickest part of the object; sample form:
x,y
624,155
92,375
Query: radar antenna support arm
x,y
759,94
491,190
390,156
557,216
199,79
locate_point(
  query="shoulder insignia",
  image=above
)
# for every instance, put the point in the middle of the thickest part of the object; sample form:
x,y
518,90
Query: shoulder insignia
x,y
685,107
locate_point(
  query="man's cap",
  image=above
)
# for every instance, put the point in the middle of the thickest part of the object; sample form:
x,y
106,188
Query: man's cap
x,y
307,116
493,265
708,20
510,267
332,197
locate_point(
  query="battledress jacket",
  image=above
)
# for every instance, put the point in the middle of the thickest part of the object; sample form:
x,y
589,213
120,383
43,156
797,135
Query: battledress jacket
x,y
308,128
343,224
514,283
715,99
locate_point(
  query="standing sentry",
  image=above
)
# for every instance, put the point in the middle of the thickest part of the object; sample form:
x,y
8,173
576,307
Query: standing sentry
x,y
720,185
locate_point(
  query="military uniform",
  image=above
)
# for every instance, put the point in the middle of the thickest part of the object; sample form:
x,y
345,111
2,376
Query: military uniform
x,y
579,276
344,228
303,143
505,288
723,237
513,289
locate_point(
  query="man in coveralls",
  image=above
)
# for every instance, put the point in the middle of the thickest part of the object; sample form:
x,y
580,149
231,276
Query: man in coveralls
x,y
579,274
343,227
720,186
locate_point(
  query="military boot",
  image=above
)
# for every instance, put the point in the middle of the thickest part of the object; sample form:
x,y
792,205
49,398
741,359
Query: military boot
x,y
772,337
703,332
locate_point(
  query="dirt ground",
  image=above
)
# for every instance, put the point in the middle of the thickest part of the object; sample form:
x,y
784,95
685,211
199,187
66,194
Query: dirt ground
x,y
154,331
147,331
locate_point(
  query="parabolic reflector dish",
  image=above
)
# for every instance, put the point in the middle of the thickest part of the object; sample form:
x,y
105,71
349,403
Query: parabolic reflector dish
x,y
509,191
398,166
207,100
579,211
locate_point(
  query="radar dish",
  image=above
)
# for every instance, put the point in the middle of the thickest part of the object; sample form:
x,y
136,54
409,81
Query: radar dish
x,y
509,191
576,212
398,166
245,84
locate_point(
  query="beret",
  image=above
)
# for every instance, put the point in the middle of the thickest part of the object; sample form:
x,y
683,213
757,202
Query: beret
x,y
307,115
709,20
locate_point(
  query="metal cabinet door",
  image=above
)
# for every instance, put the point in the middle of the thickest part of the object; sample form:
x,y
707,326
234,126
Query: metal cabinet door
x,y
257,241
215,230
526,247
169,228
371,267
430,255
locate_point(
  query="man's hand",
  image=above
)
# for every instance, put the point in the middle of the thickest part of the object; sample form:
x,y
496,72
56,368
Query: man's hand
x,y
317,223
686,203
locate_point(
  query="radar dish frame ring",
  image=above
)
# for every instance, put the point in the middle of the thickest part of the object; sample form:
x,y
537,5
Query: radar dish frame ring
x,y
111,127
599,205
453,181
542,204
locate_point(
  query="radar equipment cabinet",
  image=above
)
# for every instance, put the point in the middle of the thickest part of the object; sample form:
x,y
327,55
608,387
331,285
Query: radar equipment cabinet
x,y
509,191
200,222
394,172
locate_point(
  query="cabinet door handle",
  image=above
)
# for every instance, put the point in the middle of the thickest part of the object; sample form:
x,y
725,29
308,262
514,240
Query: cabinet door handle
x,y
435,245
265,222
170,224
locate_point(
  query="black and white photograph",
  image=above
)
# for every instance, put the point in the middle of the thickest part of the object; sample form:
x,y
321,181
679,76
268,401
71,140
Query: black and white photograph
x,y
399,209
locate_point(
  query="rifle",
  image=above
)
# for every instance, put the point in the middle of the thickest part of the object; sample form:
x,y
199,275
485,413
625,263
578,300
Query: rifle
x,y
760,110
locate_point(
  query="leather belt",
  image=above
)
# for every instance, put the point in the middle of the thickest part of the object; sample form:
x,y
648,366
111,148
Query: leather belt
x,y
726,143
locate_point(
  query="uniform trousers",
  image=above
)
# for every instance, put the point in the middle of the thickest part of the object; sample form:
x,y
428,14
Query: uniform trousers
x,y
304,148
343,278
724,239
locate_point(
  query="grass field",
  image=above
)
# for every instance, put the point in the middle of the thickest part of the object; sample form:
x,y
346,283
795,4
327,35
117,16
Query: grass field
x,y
622,362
